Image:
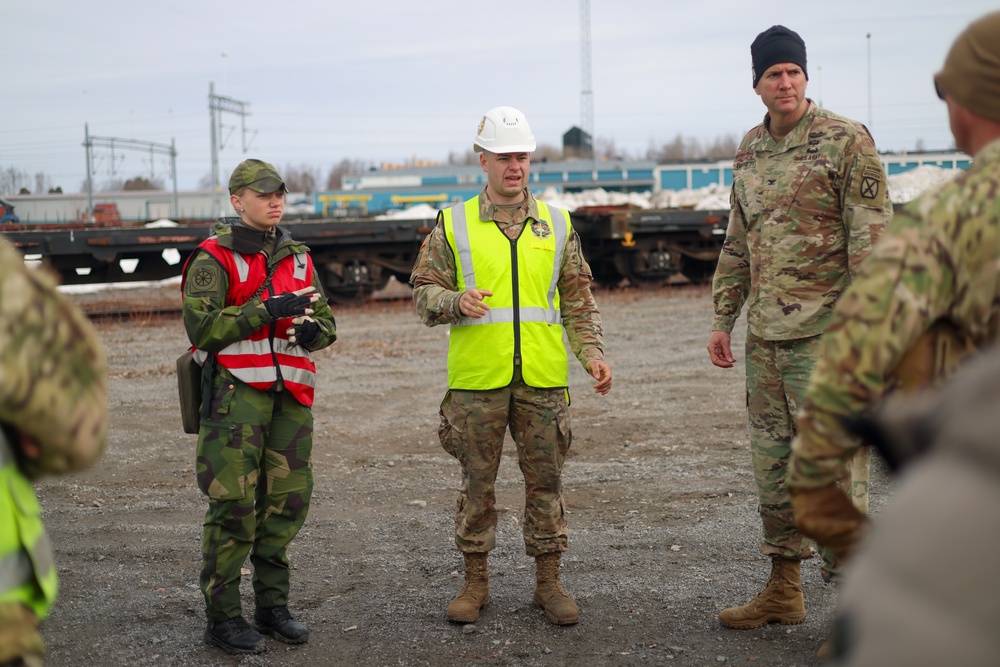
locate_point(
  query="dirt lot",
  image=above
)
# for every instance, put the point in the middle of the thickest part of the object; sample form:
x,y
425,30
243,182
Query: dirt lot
x,y
663,525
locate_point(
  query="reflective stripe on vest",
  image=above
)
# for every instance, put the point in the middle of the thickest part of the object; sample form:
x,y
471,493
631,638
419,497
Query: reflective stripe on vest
x,y
482,350
258,359
27,570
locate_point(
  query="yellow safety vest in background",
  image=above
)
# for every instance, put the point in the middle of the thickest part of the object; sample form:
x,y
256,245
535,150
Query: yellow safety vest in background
x,y
524,318
27,571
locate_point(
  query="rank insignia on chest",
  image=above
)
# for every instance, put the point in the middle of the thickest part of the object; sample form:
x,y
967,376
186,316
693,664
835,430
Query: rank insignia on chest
x,y
540,228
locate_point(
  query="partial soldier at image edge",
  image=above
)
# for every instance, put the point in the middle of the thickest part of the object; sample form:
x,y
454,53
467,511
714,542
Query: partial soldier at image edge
x,y
925,300
54,417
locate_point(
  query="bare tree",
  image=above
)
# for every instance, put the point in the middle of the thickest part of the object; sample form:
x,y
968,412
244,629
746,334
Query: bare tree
x,y
140,183
465,158
606,149
723,147
691,148
303,178
110,185
544,153
42,182
335,179
13,180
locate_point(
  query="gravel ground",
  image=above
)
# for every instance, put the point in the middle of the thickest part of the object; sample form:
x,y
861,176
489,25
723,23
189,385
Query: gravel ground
x,y
661,501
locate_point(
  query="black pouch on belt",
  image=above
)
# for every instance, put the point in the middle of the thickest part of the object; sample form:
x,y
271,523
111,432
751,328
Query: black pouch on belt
x,y
189,389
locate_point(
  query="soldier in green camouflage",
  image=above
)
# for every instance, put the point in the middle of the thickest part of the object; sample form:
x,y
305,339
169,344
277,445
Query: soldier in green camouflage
x,y
508,275
53,419
930,289
253,312
808,200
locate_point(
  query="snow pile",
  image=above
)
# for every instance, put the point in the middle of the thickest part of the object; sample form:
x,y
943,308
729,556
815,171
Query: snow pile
x,y
902,188
910,184
712,197
597,197
416,212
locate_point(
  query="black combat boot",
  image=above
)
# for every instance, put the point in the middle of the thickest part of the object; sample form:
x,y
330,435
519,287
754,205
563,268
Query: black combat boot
x,y
278,622
235,636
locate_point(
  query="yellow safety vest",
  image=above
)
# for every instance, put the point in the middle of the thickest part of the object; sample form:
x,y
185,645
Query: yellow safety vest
x,y
27,571
524,320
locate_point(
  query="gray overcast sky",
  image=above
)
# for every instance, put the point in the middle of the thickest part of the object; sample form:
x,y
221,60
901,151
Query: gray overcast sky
x,y
388,80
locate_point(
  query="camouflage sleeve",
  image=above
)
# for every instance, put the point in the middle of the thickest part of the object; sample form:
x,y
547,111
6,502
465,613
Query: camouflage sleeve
x,y
907,283
54,370
865,204
732,274
435,292
580,316
210,324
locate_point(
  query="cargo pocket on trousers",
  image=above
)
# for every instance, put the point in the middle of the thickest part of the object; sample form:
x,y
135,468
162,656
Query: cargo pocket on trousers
x,y
221,466
565,433
221,401
454,418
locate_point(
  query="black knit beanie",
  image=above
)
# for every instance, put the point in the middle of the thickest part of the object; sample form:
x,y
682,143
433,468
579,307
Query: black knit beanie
x,y
776,45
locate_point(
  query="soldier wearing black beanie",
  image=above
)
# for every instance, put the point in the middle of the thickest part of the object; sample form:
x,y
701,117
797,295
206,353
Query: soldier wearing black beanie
x,y
808,201
776,45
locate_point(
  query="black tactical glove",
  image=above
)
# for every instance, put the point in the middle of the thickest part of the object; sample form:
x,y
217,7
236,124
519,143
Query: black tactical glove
x,y
303,331
292,304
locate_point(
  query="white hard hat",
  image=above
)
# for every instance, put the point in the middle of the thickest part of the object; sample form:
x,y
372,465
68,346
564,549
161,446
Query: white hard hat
x,y
504,130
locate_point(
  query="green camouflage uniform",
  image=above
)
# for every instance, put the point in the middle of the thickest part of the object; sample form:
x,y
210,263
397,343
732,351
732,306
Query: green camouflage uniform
x,y
248,434
53,390
938,260
804,213
473,422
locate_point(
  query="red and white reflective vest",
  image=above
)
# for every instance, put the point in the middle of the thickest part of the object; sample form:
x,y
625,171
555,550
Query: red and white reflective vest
x,y
265,355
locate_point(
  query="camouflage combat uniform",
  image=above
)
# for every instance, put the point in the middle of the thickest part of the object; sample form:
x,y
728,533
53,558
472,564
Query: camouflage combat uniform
x,y
254,459
53,392
937,261
804,213
473,422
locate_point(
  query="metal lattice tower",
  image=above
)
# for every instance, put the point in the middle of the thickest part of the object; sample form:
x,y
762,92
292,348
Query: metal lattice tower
x,y
112,143
586,92
217,104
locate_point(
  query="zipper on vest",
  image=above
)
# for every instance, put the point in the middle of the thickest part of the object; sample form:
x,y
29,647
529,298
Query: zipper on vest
x,y
515,290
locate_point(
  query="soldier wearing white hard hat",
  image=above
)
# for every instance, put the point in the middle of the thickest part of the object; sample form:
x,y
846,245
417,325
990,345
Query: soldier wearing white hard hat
x,y
507,273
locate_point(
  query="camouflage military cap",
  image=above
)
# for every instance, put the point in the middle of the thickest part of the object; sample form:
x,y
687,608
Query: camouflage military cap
x,y
257,175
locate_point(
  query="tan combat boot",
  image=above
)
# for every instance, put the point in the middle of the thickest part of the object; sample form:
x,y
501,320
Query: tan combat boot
x,y
475,592
549,593
780,601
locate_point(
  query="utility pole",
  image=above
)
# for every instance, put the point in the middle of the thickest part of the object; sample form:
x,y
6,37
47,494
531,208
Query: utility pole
x,y
112,143
869,38
586,85
217,104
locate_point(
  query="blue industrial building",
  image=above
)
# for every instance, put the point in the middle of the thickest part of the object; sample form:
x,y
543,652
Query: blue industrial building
x,y
385,190
440,186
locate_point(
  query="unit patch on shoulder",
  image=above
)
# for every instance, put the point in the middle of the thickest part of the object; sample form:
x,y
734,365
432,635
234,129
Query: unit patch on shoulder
x,y
204,279
871,180
540,228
